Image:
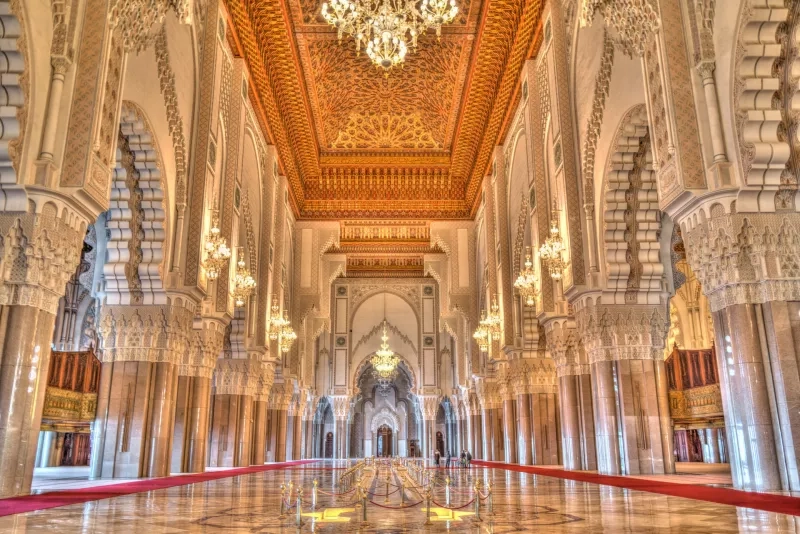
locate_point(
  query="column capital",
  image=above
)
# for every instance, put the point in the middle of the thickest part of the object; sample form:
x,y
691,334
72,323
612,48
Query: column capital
x,y
744,258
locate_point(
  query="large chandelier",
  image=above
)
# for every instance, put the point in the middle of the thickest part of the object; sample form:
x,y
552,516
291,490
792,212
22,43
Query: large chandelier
x,y
527,281
386,28
243,282
483,334
217,251
553,246
287,335
385,361
280,328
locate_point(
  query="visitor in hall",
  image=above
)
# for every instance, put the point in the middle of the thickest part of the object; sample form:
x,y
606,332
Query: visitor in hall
x,y
436,456
447,462
463,458
469,458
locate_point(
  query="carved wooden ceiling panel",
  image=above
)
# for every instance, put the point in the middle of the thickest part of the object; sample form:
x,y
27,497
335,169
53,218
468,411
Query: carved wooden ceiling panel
x,y
356,144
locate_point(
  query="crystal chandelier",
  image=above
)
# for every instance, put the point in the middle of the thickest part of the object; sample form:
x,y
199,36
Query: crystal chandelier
x,y
386,28
243,283
550,251
287,335
527,281
275,320
483,334
217,251
384,361
494,320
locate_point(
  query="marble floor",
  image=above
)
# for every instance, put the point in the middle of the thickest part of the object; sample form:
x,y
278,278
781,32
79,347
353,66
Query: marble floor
x,y
521,503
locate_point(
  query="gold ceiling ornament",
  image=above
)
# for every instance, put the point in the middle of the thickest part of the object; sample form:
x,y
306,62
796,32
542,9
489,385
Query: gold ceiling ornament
x,y
386,28
243,282
553,246
385,361
527,282
217,251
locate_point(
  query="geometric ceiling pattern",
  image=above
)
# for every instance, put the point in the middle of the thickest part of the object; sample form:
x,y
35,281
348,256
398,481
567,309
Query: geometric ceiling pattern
x,y
356,144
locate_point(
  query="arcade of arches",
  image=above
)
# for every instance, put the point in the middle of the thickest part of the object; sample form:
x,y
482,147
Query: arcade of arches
x,y
212,210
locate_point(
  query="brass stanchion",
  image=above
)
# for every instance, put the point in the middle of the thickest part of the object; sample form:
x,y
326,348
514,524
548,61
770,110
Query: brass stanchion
x,y
447,490
489,490
299,518
402,493
314,495
364,521
428,512
283,502
477,500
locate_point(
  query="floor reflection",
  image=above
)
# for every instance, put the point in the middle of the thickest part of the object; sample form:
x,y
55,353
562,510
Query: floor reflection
x,y
521,502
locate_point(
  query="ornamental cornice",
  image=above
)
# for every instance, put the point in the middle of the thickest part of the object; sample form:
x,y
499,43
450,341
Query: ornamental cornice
x,y
745,258
612,332
157,333
39,252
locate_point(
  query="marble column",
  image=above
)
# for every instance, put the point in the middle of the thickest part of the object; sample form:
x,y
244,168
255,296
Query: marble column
x,y
25,334
477,435
544,428
132,432
259,450
586,421
570,422
743,362
197,425
244,430
298,437
308,440
48,446
182,400
487,420
223,430
281,433
290,424
710,440
525,450
605,418
272,434
510,430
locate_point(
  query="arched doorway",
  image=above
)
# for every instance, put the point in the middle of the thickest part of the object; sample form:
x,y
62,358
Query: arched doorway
x,y
384,441
329,445
440,443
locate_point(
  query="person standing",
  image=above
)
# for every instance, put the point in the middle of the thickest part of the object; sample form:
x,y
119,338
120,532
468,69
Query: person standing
x,y
436,456
447,462
469,458
464,458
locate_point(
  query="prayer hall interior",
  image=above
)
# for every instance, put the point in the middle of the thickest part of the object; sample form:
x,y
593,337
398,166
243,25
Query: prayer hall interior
x,y
399,265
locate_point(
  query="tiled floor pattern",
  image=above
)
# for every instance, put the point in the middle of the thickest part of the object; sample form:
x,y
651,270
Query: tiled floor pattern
x,y
522,503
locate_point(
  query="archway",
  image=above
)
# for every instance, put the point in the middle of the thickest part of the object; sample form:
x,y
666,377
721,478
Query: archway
x,y
384,441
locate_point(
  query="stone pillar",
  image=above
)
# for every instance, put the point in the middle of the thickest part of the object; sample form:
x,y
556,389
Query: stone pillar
x,y
258,454
272,434
244,431
477,434
586,415
48,446
510,430
197,425
182,399
308,441
544,423
605,419
298,435
282,433
487,420
570,422
710,439
30,293
142,346
525,450
290,425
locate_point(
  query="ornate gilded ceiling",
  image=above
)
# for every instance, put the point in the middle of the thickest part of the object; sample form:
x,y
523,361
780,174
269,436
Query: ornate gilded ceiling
x,y
356,144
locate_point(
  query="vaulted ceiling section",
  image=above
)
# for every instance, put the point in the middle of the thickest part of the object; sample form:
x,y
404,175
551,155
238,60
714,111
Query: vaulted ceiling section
x,y
357,144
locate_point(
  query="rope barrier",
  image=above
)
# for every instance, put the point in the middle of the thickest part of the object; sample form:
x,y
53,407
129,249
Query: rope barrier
x,y
452,507
336,494
396,507
383,494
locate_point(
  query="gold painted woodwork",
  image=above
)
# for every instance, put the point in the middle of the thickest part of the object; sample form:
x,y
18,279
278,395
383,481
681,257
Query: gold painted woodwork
x,y
703,401
66,405
355,144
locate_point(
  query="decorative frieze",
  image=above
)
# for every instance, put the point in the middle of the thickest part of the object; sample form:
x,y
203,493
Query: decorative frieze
x,y
242,377
745,258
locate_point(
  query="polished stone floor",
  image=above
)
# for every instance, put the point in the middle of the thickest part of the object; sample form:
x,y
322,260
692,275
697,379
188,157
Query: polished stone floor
x,y
521,503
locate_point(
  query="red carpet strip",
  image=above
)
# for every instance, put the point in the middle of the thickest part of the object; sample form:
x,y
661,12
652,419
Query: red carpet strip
x,y
768,502
30,503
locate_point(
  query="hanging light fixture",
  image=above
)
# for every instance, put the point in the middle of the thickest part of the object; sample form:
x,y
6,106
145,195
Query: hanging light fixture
x,y
553,246
387,28
527,282
287,335
243,282
385,361
275,320
217,251
483,334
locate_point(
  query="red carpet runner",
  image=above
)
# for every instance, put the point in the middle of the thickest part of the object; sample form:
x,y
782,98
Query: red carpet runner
x,y
767,502
30,503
